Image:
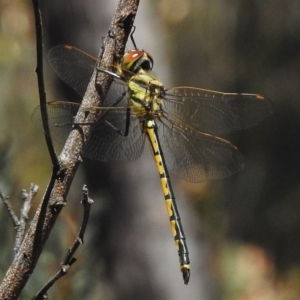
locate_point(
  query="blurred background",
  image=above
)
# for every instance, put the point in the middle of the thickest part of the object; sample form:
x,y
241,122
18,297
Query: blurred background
x,y
243,232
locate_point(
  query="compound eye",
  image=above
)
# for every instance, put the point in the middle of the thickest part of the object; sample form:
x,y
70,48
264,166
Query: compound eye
x,y
130,58
149,61
136,59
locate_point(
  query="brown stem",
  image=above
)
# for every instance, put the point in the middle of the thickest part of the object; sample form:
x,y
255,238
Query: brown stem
x,y
24,263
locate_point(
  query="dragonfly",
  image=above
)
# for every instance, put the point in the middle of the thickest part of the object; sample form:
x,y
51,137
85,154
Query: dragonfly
x,y
183,124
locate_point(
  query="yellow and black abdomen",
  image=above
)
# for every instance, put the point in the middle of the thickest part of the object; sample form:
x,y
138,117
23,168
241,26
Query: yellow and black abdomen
x,y
176,226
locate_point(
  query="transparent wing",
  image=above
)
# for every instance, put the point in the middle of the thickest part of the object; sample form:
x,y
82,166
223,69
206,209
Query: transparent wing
x,y
196,156
107,142
216,112
73,66
60,118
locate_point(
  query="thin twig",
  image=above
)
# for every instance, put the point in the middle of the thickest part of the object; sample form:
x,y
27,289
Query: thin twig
x,y
10,211
86,202
69,259
27,199
41,86
43,106
42,294
20,224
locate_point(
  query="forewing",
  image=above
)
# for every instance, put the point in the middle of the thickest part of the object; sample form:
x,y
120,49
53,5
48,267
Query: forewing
x,y
215,112
73,66
196,156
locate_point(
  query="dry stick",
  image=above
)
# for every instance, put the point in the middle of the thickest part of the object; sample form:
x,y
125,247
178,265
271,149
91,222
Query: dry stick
x,y
20,225
31,248
27,199
10,211
69,259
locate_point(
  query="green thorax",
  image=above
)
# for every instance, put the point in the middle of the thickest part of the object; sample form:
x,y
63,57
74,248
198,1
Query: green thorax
x,y
145,95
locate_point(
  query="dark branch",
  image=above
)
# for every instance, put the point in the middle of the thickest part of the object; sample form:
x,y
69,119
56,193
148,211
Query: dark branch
x,y
40,77
70,259
43,106
42,294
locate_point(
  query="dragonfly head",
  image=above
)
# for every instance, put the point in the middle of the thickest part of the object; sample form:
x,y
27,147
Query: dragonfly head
x,y
135,60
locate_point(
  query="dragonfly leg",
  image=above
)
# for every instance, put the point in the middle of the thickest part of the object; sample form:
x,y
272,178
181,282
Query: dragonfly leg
x,y
109,73
131,37
106,112
125,133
